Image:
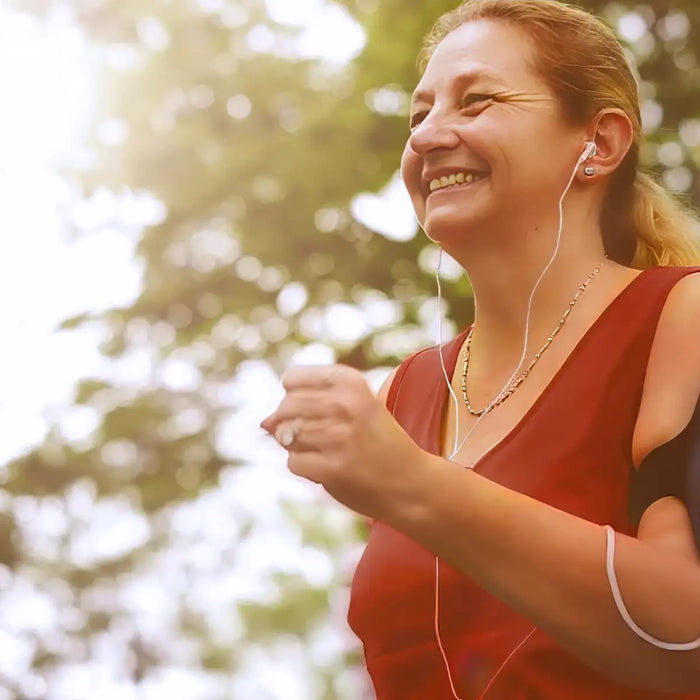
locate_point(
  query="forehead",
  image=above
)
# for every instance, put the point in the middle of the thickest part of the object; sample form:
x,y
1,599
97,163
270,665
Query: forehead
x,y
494,50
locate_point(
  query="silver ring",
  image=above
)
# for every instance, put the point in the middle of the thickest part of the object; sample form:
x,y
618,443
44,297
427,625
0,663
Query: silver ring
x,y
287,433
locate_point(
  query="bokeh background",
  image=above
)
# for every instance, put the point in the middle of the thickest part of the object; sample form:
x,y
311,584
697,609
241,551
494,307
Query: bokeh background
x,y
194,195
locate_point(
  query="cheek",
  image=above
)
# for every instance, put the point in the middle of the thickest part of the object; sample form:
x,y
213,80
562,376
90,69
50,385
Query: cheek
x,y
411,174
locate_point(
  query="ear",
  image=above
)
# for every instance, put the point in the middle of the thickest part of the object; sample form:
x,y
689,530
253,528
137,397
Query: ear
x,y
613,134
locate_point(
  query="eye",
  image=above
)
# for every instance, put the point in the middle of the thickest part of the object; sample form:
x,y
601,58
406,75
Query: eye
x,y
475,100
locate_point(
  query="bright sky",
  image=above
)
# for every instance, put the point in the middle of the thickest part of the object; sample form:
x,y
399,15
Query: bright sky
x,y
46,276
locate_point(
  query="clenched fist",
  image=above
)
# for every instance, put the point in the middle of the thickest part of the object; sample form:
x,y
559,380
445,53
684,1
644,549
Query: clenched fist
x,y
340,435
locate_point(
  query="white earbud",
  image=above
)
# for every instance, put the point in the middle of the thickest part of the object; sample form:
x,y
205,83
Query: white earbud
x,y
589,152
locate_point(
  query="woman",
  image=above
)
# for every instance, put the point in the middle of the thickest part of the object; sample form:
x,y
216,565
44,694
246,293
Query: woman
x,y
485,573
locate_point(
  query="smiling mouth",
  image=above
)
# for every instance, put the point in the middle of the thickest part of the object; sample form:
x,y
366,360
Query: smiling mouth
x,y
447,181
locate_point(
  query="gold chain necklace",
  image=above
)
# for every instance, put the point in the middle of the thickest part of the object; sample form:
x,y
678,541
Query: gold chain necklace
x,y
519,380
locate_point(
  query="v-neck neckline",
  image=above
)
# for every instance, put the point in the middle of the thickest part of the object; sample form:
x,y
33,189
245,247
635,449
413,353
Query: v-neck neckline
x,y
451,363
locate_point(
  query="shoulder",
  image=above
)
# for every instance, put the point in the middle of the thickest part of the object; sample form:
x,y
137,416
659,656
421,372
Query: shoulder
x,y
675,351
383,392
426,355
672,382
685,294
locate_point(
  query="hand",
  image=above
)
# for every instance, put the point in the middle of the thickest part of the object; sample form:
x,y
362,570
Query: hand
x,y
346,439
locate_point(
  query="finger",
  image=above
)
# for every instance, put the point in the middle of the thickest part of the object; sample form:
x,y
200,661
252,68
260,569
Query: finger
x,y
309,436
306,404
306,465
310,376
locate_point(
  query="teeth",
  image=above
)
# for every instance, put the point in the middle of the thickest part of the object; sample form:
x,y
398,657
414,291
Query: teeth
x,y
457,179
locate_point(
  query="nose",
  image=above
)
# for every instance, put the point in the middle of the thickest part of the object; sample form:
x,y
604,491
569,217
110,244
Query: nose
x,y
435,131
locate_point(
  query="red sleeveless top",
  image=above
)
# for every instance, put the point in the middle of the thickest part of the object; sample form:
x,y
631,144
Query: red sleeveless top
x,y
573,450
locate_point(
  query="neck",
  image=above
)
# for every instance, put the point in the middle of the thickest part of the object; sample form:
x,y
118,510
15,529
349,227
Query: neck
x,y
501,301
503,273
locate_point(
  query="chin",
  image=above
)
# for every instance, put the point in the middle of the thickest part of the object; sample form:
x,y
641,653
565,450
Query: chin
x,y
450,229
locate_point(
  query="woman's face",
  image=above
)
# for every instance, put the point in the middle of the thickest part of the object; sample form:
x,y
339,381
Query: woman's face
x,y
489,146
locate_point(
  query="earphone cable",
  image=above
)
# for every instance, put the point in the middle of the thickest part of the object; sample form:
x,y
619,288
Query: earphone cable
x,y
505,387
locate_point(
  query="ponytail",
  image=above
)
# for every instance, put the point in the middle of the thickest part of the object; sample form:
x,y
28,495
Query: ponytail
x,y
666,233
643,224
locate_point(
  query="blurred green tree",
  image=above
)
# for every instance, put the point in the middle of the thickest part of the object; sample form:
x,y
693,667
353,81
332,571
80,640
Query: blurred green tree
x,y
257,154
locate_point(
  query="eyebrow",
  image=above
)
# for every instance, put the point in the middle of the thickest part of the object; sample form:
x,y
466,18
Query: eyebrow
x,y
466,78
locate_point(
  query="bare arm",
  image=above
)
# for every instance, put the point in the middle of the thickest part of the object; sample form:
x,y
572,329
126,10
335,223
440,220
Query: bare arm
x,y
553,571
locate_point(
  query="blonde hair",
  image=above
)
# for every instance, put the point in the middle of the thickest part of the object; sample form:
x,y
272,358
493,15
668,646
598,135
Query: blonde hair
x,y
643,225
